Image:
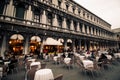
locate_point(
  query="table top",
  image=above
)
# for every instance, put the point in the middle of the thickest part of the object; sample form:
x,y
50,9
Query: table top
x,y
55,58
33,60
87,63
67,60
117,55
81,57
44,74
36,63
109,57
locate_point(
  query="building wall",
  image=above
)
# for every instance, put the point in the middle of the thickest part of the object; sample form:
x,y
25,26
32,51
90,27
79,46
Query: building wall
x,y
56,18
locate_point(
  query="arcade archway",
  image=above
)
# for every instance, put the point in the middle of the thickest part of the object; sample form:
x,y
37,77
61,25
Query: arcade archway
x,y
35,44
16,44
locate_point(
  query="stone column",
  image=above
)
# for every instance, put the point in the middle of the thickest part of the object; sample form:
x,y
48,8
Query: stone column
x,y
83,28
88,30
73,45
10,9
43,43
88,45
80,44
92,30
65,44
78,27
55,21
4,45
29,13
85,45
26,46
55,2
44,17
64,25
71,25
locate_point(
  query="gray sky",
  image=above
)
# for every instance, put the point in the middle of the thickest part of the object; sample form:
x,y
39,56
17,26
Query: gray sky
x,y
108,10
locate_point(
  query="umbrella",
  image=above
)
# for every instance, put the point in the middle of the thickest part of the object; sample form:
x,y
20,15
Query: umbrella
x,y
51,41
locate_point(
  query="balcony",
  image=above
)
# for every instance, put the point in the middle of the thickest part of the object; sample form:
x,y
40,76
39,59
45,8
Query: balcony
x,y
28,23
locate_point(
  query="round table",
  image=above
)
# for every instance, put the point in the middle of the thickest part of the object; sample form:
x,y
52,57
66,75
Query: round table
x,y
67,60
87,63
36,63
44,74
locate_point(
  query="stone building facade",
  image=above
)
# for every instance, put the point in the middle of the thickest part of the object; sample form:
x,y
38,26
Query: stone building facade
x,y
76,26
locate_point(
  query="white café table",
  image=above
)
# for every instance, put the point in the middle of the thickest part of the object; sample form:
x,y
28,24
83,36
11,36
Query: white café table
x,y
55,58
81,57
117,55
33,60
6,63
44,74
67,60
36,63
87,63
109,57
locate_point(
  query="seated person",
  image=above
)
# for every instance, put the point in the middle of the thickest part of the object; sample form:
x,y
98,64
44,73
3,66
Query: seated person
x,y
13,62
102,59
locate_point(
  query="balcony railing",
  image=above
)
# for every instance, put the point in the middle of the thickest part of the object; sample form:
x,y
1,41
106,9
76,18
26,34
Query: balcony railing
x,y
18,21
71,13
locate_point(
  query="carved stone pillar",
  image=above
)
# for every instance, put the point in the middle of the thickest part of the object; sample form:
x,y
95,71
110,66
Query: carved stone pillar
x,y
83,28
73,45
71,25
29,13
43,43
64,24
88,30
92,30
4,45
55,21
26,44
44,17
65,44
80,44
10,9
78,27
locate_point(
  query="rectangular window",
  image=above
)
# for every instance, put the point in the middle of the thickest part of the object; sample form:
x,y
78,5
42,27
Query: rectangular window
x,y
67,7
36,15
2,5
36,18
49,18
68,24
20,12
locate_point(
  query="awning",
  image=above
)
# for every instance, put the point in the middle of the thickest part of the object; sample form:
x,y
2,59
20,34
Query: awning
x,y
51,41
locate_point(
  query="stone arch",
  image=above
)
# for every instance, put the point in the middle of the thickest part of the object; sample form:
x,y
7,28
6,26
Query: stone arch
x,y
16,44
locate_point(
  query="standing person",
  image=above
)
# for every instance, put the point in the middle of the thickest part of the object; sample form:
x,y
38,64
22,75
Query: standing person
x,y
38,53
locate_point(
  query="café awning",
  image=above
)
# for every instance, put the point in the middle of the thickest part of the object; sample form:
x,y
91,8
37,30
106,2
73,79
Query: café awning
x,y
51,41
